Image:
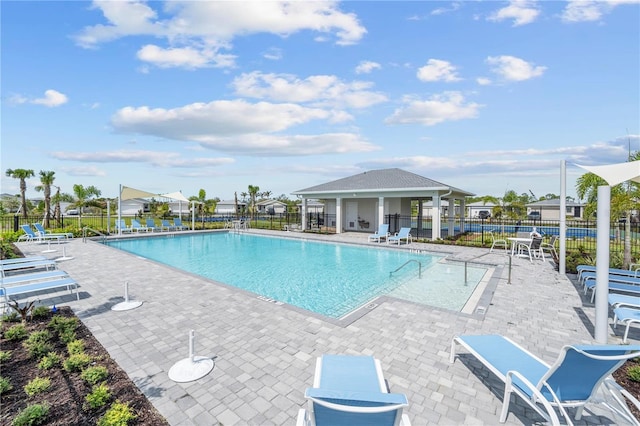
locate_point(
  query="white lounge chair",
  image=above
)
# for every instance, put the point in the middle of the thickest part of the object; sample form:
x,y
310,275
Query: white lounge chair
x,y
570,382
380,234
349,391
403,234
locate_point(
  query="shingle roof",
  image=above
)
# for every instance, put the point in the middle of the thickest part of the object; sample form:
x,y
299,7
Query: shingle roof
x,y
379,179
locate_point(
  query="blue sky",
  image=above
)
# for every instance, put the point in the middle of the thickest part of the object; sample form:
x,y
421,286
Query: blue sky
x,y
166,96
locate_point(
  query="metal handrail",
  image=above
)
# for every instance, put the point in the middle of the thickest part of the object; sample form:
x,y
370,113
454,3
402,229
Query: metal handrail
x,y
405,264
84,234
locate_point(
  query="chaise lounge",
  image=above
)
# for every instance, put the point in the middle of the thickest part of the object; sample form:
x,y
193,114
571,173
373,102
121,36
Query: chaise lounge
x,y
380,234
403,234
571,382
351,390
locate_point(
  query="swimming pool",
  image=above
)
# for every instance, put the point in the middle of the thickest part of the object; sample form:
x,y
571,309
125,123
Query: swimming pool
x,y
329,279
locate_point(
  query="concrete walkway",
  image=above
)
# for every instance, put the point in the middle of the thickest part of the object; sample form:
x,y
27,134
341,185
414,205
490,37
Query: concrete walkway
x,y
265,353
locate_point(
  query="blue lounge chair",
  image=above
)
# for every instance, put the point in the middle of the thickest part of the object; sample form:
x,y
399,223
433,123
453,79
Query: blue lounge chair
x,y
572,380
380,234
626,314
151,225
177,224
121,226
350,390
166,226
616,283
584,270
137,226
41,231
403,234
30,235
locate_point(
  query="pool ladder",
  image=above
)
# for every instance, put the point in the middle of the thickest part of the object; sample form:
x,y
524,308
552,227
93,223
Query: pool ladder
x,y
405,264
84,234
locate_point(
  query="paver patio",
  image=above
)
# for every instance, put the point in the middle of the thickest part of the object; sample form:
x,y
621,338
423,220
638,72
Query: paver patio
x,y
265,353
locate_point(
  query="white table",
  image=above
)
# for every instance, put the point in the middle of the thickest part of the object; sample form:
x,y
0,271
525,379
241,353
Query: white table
x,y
517,240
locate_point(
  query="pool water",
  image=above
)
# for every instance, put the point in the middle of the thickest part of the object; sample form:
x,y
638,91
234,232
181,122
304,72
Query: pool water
x,y
329,279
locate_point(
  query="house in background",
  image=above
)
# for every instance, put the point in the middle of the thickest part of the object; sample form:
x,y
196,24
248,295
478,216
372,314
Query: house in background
x,y
550,209
361,202
228,207
474,209
271,207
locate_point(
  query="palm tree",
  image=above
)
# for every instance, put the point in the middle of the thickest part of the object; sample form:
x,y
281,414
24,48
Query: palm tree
x,y
83,197
253,192
623,201
46,179
23,175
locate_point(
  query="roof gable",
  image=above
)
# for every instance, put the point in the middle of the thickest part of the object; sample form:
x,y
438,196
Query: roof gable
x,y
384,179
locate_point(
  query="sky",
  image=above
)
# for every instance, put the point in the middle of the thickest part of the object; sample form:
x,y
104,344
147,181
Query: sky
x,y
164,96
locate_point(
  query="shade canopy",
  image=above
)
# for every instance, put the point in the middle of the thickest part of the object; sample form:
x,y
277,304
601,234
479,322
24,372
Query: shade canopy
x,y
127,193
176,196
616,173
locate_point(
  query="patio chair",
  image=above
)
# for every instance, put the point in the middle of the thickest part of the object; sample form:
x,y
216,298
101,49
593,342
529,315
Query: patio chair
x,y
570,382
41,231
403,234
550,247
351,390
532,249
151,225
381,233
627,315
166,225
177,224
30,235
121,226
498,242
137,226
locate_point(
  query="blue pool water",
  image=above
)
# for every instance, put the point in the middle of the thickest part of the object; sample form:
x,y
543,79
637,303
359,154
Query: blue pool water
x,y
329,279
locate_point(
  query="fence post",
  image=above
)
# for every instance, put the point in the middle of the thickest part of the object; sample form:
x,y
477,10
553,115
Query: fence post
x,y
15,223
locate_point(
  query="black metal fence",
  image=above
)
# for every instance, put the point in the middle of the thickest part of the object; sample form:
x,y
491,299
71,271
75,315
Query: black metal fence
x,y
580,234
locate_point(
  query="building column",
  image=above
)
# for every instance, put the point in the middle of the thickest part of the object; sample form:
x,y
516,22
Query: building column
x,y
304,213
380,211
451,217
463,212
338,215
435,219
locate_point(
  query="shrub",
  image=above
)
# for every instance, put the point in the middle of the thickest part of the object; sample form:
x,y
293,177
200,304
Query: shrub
x,y
5,385
16,332
65,327
75,347
93,375
37,385
634,373
98,397
118,414
40,312
48,361
32,415
5,356
37,344
77,362
10,317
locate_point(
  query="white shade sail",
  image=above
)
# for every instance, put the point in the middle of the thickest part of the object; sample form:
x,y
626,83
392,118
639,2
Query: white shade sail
x,y
616,173
176,196
129,193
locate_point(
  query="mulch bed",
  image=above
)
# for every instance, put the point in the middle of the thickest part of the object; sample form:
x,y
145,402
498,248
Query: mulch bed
x,y
68,390
631,386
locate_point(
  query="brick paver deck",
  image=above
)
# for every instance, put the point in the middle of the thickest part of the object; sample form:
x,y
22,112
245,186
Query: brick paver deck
x,y
265,353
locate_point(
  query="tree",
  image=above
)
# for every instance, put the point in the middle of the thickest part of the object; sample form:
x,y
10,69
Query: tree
x,y
253,192
83,197
46,180
624,198
23,175
57,199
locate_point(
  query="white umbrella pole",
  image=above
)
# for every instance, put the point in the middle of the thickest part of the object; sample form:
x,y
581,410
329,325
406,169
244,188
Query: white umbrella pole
x,y
602,264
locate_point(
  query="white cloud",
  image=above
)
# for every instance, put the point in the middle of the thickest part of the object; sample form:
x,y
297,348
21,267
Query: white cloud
x,y
590,10
319,90
155,158
83,171
240,127
185,57
52,98
437,70
483,81
365,67
448,106
273,54
198,31
511,68
443,10
521,11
